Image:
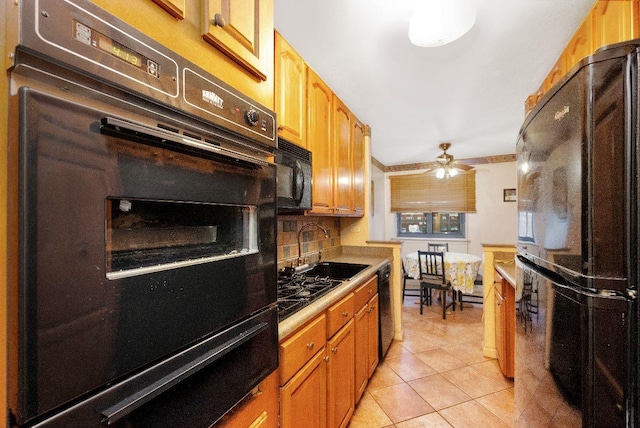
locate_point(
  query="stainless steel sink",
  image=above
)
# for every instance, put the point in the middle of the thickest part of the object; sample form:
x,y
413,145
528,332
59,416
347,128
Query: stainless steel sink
x,y
336,270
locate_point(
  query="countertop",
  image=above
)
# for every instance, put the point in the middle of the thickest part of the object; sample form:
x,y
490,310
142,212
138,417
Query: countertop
x,y
292,323
507,270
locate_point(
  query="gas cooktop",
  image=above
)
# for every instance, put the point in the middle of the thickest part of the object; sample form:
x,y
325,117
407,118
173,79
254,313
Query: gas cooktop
x,y
297,290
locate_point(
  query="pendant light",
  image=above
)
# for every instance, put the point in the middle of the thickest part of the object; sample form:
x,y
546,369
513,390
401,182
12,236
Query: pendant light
x,y
438,22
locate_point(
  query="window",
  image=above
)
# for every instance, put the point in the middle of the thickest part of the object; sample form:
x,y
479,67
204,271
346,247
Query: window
x,y
428,194
525,226
431,225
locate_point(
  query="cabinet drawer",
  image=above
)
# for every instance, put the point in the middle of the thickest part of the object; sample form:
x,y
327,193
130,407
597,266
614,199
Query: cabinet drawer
x,y
365,292
340,314
299,348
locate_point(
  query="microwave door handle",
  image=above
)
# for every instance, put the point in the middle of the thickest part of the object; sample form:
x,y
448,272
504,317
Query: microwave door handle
x,y
152,390
298,183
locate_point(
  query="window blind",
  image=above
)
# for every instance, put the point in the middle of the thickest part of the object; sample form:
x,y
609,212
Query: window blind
x,y
427,193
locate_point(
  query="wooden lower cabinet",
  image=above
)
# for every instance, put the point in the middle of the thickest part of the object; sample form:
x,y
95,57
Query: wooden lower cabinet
x,y
320,390
258,410
303,400
505,321
366,335
374,336
340,376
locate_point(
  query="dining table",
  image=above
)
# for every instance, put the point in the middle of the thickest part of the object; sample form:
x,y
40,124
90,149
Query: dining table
x,y
461,269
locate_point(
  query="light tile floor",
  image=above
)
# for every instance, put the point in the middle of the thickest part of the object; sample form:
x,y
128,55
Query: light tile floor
x,y
437,376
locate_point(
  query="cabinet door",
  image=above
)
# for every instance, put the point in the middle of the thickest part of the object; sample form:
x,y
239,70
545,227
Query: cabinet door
x,y
499,323
343,184
234,28
373,325
358,159
614,21
340,376
580,45
174,7
319,142
291,92
304,397
361,327
258,409
556,73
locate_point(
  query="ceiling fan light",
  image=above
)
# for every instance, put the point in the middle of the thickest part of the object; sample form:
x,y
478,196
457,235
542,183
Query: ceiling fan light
x,y
438,22
453,172
440,172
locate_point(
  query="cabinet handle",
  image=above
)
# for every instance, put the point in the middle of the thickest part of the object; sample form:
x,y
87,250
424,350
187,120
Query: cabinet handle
x,y
326,359
345,314
335,350
373,307
310,346
218,20
368,310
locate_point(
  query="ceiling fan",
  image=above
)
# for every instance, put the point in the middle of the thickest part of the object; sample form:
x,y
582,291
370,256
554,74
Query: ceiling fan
x,y
446,166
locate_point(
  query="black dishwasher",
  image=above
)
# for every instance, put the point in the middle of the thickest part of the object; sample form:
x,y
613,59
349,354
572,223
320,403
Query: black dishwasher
x,y
384,307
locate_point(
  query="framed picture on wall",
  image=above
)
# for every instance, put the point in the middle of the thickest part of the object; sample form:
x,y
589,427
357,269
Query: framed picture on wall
x,y
509,195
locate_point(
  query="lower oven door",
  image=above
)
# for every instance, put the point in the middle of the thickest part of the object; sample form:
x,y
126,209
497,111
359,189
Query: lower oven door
x,y
131,247
193,388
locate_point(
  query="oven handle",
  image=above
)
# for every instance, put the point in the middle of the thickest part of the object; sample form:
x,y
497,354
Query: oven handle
x,y
141,397
137,131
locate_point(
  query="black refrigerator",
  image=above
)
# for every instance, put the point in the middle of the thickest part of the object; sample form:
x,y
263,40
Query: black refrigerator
x,y
577,255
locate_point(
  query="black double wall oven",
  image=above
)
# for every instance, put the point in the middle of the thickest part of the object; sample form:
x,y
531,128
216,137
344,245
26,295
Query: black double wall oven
x,y
143,196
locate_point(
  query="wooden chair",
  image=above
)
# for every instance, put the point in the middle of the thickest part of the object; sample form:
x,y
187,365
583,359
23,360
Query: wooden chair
x,y
438,247
432,277
405,277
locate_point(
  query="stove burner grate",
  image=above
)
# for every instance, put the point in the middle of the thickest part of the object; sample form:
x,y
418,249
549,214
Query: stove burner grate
x,y
298,290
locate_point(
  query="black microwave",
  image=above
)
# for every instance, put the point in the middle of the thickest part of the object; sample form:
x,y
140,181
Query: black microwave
x,y
294,176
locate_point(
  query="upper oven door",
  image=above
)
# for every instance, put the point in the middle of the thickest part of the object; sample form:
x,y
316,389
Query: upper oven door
x,y
131,246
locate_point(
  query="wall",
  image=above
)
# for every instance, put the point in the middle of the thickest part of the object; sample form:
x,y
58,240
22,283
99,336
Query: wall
x,y
377,215
494,221
312,239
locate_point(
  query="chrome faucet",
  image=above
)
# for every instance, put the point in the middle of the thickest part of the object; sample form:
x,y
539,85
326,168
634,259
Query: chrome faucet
x,y
302,229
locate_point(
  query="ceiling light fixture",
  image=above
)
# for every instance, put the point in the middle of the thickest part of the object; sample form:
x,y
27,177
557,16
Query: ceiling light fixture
x,y
446,166
446,171
438,22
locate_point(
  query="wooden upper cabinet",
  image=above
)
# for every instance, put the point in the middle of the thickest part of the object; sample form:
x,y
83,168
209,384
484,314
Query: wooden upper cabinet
x,y
556,73
343,172
580,45
358,162
319,142
613,22
234,28
291,92
176,8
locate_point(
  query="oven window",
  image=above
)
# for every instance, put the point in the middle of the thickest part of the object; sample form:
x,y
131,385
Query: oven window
x,y
145,236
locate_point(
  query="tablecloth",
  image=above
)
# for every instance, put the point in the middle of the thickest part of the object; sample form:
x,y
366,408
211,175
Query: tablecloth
x,y
461,269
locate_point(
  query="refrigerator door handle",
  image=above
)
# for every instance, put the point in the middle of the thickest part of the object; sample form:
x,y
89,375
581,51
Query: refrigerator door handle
x,y
547,273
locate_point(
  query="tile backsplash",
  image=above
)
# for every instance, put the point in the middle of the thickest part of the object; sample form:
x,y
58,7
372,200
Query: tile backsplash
x,y
312,239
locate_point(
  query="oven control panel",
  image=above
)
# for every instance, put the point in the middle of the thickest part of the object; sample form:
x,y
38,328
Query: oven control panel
x,y
81,37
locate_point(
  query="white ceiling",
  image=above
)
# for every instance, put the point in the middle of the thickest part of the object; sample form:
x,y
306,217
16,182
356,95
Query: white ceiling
x,y
470,92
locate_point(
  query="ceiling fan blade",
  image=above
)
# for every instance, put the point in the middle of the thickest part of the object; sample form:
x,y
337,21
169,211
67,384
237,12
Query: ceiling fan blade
x,y
432,168
463,167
